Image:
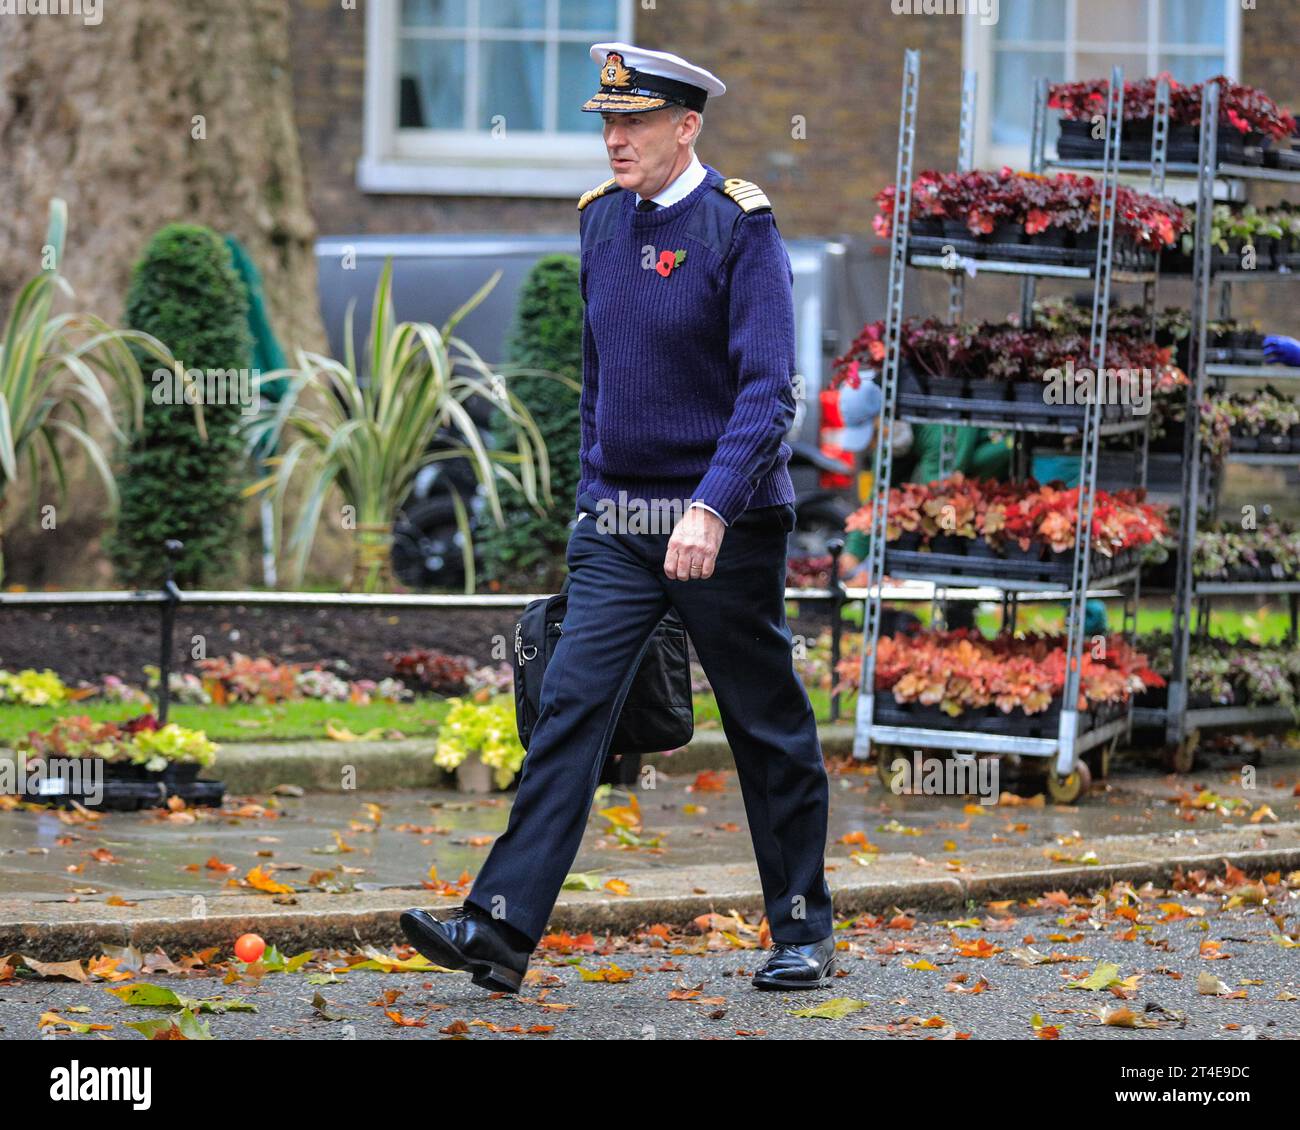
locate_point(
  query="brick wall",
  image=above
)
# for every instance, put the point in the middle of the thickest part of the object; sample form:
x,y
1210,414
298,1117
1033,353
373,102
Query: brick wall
x,y
835,62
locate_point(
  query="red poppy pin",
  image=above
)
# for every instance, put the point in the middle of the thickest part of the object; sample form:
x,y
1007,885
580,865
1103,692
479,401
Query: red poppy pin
x,y
668,260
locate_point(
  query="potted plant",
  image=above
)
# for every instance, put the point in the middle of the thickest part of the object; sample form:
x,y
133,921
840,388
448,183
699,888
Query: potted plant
x,y
478,740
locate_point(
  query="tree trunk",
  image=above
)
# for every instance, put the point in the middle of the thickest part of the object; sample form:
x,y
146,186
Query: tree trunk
x,y
166,111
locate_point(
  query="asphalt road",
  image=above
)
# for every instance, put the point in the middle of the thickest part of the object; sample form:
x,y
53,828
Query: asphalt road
x,y
695,985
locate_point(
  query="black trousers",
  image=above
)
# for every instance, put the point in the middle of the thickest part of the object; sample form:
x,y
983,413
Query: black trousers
x,y
618,593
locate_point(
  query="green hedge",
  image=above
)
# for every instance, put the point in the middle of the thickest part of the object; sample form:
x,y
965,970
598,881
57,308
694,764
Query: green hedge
x,y
546,334
186,293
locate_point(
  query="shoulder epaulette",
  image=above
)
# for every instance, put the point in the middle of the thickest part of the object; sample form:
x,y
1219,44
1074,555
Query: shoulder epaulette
x,y
746,193
591,194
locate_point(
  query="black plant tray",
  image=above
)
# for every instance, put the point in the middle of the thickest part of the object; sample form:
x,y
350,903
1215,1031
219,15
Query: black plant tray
x,y
1282,158
974,408
129,796
901,561
1016,723
1032,253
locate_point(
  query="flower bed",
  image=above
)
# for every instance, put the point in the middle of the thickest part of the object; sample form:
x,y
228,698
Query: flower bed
x,y
1251,123
1028,217
1013,530
959,679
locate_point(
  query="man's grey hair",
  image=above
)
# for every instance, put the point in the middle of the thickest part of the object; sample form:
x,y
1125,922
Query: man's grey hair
x,y
676,112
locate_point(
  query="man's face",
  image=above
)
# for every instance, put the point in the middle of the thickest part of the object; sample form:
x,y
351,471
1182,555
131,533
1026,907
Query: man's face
x,y
643,147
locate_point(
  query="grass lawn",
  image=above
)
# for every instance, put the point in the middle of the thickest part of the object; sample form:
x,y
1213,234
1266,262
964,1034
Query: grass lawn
x,y
245,722
242,722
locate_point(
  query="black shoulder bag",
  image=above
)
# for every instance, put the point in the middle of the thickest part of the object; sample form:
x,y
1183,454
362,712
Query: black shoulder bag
x,y
657,713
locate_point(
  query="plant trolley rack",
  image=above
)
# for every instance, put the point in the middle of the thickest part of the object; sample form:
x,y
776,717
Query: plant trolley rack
x,y
1180,719
1070,734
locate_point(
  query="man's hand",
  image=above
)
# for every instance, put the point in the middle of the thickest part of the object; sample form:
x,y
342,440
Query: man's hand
x,y
693,548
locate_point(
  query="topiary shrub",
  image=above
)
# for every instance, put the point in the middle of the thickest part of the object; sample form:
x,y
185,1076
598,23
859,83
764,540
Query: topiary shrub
x,y
173,484
546,334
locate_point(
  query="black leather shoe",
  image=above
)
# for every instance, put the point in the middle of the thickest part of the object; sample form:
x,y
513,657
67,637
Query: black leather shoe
x,y
468,939
798,967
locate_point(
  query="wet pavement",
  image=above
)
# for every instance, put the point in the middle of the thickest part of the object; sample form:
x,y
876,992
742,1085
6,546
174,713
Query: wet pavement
x,y
374,841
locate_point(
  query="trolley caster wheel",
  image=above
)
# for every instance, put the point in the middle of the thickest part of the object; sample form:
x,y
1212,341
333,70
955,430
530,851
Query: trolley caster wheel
x,y
1099,760
895,780
1181,758
1067,790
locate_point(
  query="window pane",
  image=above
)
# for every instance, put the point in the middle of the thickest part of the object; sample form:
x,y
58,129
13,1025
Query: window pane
x,y
578,81
1030,19
1097,64
513,76
1014,73
1193,21
512,13
1187,69
433,13
596,15
1111,21
431,92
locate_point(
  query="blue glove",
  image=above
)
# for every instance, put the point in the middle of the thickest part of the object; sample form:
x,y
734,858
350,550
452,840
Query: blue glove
x,y
1282,350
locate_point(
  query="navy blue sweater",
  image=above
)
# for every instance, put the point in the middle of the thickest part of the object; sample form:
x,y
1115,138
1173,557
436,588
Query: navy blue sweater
x,y
687,378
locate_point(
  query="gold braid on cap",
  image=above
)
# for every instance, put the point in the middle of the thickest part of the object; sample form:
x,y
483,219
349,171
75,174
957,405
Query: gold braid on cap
x,y
591,194
746,193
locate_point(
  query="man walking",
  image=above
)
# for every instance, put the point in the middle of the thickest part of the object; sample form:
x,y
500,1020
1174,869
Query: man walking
x,y
688,370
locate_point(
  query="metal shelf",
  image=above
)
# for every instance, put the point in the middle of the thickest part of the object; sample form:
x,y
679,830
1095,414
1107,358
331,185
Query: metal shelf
x,y
1011,424
1213,717
1182,170
1255,372
1003,584
955,264
1265,458
1283,273
982,741
1244,588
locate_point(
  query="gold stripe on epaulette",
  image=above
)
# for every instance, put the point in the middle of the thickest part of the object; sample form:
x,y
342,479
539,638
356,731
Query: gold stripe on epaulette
x,y
746,193
591,193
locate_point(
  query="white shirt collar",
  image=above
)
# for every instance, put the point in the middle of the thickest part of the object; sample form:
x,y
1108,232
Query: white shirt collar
x,y
688,180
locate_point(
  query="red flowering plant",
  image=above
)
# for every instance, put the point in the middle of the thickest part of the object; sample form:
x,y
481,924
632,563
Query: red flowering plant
x,y
935,347
981,200
1148,220
867,348
961,670
1244,108
905,515
1080,101
951,507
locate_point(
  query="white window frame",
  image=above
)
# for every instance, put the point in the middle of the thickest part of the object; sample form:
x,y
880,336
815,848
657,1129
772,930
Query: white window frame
x,y
977,52
465,162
